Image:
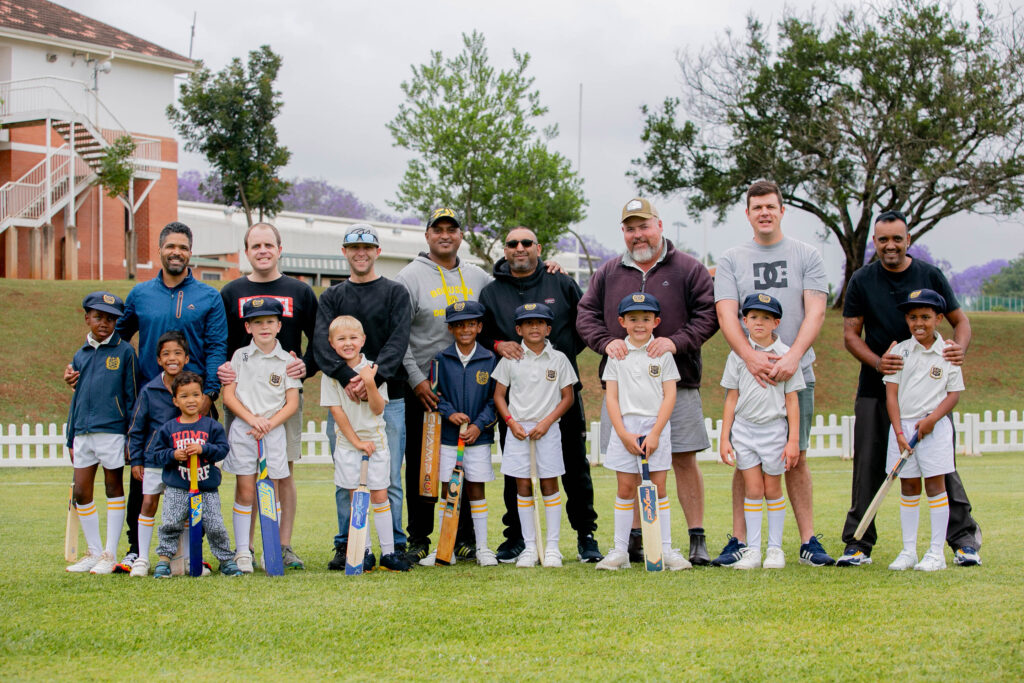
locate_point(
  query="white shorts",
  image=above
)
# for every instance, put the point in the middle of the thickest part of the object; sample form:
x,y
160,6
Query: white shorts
x,y
932,456
476,462
621,460
153,481
99,449
760,444
243,457
515,459
347,463
292,429
688,432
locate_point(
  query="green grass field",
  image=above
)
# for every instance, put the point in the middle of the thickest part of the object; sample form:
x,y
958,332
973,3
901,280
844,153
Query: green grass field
x,y
501,623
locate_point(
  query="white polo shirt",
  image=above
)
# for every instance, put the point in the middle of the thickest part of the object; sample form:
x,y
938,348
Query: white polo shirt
x,y
365,424
262,380
925,379
758,404
640,379
535,382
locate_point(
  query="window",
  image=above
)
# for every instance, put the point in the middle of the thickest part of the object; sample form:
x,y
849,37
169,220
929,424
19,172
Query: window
x,y
208,276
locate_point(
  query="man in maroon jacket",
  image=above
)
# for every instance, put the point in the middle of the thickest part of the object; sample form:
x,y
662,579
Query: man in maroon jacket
x,y
686,292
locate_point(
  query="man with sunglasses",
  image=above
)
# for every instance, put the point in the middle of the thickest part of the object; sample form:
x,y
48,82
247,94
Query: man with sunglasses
x,y
518,280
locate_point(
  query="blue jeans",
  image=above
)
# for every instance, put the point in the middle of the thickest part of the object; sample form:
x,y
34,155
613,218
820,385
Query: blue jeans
x,y
394,430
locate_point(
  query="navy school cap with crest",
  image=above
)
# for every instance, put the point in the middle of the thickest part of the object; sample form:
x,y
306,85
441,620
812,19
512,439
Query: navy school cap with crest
x,y
923,298
261,305
463,310
762,302
104,301
639,301
533,312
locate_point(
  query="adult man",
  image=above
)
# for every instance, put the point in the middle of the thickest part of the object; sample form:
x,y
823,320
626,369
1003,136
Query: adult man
x,y
870,308
263,248
382,306
793,272
518,280
684,287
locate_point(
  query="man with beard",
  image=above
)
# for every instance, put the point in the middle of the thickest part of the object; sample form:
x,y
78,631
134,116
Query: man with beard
x,y
686,292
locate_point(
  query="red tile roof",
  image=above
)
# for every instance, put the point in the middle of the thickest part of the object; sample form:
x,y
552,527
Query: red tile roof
x,y
47,18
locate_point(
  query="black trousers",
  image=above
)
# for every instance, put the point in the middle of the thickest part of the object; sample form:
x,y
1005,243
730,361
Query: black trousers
x,y
576,482
870,439
421,511
133,508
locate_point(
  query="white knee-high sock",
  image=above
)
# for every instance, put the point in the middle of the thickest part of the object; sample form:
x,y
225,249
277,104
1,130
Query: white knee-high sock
x,y
910,515
385,527
241,518
90,521
478,513
623,522
665,520
525,505
776,521
752,517
116,511
939,509
145,535
553,519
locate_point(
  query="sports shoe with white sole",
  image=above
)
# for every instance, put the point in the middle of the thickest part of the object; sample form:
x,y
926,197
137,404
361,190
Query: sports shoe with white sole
x,y
750,558
290,559
431,559
966,556
853,558
730,554
126,564
615,559
552,558
813,554
140,567
84,565
485,557
931,563
675,561
105,564
904,561
243,560
774,558
528,558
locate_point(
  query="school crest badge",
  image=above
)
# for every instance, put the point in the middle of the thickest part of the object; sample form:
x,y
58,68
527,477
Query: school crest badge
x,y
936,372
916,293
639,298
654,371
530,307
551,375
482,376
275,379
108,298
256,303
764,298
459,305
113,363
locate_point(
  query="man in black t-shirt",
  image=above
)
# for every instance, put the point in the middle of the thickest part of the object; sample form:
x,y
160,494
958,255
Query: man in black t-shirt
x,y
870,308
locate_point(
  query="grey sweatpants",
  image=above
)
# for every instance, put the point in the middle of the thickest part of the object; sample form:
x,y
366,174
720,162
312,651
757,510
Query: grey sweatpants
x,y
175,512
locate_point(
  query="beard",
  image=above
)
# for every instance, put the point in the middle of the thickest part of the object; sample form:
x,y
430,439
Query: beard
x,y
175,267
644,253
527,266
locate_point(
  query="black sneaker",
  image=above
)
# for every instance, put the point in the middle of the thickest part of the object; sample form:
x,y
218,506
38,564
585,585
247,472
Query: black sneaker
x,y
369,562
337,563
636,546
415,551
587,550
510,550
698,548
394,562
465,551
400,548
731,553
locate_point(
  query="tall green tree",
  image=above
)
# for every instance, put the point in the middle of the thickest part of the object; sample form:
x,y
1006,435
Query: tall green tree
x,y
1007,282
893,106
117,176
479,151
229,117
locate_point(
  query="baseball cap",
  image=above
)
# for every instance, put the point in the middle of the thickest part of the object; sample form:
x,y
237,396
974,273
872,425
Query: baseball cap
x,y
361,233
534,312
443,212
923,297
262,305
104,301
463,310
762,302
639,301
640,207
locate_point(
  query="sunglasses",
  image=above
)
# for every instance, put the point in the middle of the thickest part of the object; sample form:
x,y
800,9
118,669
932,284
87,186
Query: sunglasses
x,y
512,244
361,236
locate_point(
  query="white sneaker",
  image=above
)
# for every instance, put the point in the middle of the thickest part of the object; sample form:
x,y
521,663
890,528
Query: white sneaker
x,y
244,561
615,559
774,558
84,565
485,557
931,562
750,558
528,558
905,560
140,567
552,558
675,561
105,565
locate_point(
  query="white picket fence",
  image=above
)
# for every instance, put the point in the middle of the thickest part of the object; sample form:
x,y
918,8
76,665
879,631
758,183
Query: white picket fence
x,y
43,446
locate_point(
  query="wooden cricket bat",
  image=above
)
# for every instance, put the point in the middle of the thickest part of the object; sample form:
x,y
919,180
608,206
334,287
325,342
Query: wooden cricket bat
x,y
359,522
195,519
876,502
450,516
71,528
538,499
430,447
650,525
266,498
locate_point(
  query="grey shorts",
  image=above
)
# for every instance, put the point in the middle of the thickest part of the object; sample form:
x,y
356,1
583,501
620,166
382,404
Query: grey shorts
x,y
292,430
806,399
688,432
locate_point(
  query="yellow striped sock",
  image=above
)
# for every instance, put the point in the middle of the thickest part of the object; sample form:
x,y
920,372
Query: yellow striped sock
x,y
478,508
87,509
554,500
938,501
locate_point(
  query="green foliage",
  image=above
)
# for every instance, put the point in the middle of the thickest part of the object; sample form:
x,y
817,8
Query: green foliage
x,y
478,150
229,117
895,106
115,172
1007,282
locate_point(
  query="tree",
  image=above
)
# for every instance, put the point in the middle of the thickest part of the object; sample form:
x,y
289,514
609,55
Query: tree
x,y
229,117
969,281
117,175
898,106
1007,282
479,151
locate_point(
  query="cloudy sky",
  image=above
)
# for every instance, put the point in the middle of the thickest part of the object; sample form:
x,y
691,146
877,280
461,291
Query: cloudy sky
x,y
344,62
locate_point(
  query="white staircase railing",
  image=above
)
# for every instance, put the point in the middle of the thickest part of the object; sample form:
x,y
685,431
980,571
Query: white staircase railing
x,y
23,202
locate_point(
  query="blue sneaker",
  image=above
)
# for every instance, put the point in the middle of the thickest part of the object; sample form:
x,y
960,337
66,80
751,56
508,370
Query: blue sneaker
x,y
813,554
966,556
162,570
230,568
852,558
369,561
731,553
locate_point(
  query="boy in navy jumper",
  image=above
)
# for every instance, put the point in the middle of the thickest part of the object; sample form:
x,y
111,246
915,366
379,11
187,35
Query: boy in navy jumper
x,y
97,424
184,436
466,388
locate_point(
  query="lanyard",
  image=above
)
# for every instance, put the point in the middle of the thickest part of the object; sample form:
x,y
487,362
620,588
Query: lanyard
x,y
444,285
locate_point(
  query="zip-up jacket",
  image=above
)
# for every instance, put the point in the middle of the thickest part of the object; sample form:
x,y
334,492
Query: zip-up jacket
x,y
174,435
468,390
104,397
154,407
683,288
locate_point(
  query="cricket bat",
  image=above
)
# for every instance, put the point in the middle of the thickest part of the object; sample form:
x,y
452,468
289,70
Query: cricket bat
x,y
538,499
195,519
450,516
359,522
876,502
650,525
71,529
266,498
430,447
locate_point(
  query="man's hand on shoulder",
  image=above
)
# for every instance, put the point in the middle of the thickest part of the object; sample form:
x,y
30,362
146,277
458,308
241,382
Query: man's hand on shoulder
x,y
616,349
296,368
660,345
510,349
555,267
226,373
954,353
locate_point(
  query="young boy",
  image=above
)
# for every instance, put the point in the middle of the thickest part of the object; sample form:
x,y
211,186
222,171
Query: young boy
x,y
262,398
531,395
640,392
918,398
178,440
360,426
466,387
761,432
97,424
153,409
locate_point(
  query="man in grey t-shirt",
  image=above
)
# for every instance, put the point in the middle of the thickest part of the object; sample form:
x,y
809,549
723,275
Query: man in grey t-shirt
x,y
792,272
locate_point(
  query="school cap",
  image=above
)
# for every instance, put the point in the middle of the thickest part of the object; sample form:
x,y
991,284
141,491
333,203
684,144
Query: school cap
x,y
534,312
640,207
104,301
463,310
361,233
443,212
262,305
924,297
639,301
762,302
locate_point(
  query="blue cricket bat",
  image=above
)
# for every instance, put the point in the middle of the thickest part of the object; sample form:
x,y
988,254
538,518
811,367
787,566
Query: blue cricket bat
x,y
266,498
359,522
195,519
